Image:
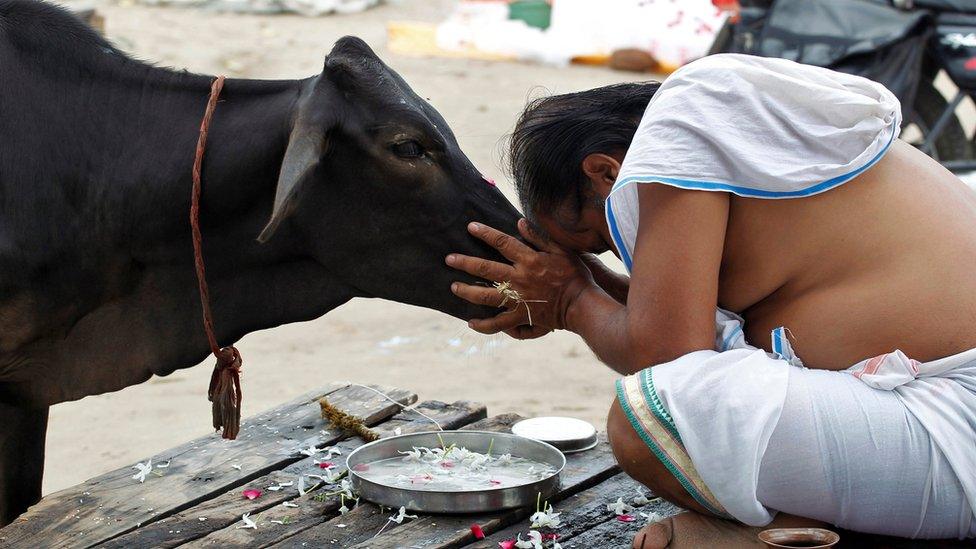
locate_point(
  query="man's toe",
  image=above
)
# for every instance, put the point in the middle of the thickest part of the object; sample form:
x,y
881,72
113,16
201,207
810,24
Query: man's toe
x,y
654,536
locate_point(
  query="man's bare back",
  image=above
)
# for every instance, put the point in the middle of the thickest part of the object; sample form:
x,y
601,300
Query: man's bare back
x,y
880,263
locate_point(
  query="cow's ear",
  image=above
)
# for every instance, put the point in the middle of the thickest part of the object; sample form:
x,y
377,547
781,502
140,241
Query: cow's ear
x,y
306,146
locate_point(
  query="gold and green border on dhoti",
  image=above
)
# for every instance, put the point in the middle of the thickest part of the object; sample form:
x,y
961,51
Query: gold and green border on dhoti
x,y
655,426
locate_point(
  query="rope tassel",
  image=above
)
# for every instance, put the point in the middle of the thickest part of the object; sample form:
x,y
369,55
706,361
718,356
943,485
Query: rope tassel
x,y
225,393
225,382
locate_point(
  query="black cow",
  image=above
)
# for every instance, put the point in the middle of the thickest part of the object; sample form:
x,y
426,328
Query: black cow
x,y
355,185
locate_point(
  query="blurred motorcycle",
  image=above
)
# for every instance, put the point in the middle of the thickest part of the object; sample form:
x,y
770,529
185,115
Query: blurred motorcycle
x,y
903,44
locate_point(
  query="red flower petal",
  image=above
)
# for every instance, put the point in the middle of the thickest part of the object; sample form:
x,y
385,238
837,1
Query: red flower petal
x,y
550,536
494,482
447,464
360,467
252,494
477,531
626,518
326,465
507,544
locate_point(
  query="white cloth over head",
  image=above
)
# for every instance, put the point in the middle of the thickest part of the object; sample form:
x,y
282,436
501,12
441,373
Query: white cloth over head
x,y
755,127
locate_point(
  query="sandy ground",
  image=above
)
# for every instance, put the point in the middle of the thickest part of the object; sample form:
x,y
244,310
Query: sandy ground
x,y
366,341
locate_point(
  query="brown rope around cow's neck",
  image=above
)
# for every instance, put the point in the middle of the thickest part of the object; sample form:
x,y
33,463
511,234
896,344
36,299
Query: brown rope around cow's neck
x,y
225,382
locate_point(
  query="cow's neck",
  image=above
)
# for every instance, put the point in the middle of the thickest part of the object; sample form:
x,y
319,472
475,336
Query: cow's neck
x,y
248,137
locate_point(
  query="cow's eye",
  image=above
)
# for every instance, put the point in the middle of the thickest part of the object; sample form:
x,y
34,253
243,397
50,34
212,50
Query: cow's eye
x,y
408,149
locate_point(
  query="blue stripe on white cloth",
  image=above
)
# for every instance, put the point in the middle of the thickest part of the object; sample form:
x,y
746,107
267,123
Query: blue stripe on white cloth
x,y
782,348
727,342
778,342
621,245
617,238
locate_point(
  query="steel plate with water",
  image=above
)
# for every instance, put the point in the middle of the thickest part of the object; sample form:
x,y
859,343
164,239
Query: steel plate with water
x,y
467,500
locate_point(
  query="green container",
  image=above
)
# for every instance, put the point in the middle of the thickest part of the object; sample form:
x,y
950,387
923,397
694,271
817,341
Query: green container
x,y
535,13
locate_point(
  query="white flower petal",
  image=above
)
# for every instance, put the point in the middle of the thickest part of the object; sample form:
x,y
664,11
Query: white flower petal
x,y
523,544
328,478
652,517
398,518
143,470
619,507
248,523
546,518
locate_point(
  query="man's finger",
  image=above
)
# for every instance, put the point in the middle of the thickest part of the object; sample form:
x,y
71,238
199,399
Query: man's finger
x,y
527,332
500,323
479,295
482,268
509,246
533,237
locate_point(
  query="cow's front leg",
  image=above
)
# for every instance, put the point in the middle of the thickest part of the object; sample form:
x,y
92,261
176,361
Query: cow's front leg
x,y
22,434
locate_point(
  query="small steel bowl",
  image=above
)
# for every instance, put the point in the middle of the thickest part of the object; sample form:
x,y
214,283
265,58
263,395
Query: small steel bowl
x,y
568,434
470,501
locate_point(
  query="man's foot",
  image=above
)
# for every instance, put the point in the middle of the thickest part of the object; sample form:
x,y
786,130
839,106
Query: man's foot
x,y
692,530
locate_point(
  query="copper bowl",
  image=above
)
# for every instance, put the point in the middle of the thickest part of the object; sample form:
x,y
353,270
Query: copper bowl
x,y
790,538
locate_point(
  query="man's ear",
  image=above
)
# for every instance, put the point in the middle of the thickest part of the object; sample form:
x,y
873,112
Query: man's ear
x,y
307,144
602,170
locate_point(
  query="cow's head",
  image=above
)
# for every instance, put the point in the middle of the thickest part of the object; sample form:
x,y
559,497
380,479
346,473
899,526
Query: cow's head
x,y
375,186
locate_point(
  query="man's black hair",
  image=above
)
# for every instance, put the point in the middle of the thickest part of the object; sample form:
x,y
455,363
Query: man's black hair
x,y
556,133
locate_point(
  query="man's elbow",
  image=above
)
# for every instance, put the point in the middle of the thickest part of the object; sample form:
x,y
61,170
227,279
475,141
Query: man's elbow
x,y
653,351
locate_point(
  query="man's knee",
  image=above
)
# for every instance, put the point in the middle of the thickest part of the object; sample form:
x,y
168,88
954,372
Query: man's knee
x,y
623,438
636,459
632,454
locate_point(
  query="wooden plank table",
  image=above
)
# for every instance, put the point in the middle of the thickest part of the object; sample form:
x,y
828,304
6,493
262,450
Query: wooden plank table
x,y
196,500
194,495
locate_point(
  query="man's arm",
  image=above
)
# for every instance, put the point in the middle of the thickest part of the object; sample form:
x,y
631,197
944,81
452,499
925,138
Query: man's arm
x,y
615,284
673,293
670,307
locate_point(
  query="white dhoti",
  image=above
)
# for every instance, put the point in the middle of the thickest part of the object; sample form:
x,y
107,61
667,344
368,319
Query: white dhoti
x,y
885,447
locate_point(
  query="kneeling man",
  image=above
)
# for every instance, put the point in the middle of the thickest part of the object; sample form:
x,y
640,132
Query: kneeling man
x,y
798,331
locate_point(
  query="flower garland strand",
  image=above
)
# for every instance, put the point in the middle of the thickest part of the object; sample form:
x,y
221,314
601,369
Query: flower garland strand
x,y
346,422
